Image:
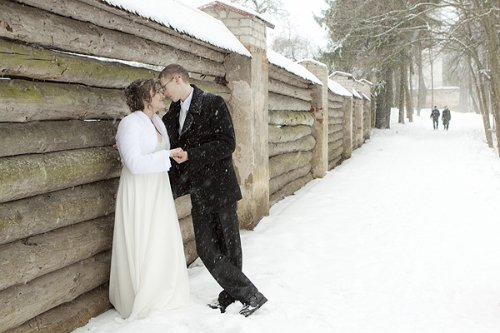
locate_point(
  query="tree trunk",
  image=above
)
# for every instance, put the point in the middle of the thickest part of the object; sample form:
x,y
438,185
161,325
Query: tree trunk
x,y
401,89
422,90
481,98
384,100
492,45
408,90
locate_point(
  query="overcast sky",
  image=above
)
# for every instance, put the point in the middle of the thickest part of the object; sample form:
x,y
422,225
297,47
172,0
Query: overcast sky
x,y
301,14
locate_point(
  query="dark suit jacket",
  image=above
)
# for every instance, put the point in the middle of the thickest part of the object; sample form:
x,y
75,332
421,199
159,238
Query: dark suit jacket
x,y
208,137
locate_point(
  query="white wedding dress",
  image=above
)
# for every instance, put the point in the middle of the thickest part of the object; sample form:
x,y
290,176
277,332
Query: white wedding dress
x,y
148,266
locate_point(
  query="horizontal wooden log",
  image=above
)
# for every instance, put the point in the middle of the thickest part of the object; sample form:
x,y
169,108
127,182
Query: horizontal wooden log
x,y
23,302
335,136
190,251
283,88
42,64
104,15
23,218
32,257
337,113
334,128
281,164
335,121
334,162
66,317
282,102
306,143
280,74
22,101
36,26
28,175
335,148
49,136
187,231
278,182
333,104
288,133
290,188
292,118
19,60
338,98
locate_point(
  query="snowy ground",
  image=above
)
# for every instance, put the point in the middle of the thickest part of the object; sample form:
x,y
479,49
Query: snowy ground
x,y
403,237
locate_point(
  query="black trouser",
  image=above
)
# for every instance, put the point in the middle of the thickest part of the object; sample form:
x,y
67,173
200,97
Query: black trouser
x,y
435,123
219,246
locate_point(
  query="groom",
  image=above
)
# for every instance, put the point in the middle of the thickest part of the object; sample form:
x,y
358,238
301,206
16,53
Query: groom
x,y
200,124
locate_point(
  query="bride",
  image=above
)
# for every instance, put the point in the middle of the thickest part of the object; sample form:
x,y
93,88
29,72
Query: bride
x,y
148,267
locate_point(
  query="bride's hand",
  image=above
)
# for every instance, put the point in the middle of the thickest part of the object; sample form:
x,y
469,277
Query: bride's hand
x,y
176,152
179,155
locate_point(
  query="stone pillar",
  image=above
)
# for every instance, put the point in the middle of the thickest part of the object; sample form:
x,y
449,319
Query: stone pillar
x,y
319,107
247,78
347,107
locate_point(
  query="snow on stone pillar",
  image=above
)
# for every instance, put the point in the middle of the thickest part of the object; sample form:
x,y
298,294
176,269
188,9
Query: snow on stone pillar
x,y
320,109
248,81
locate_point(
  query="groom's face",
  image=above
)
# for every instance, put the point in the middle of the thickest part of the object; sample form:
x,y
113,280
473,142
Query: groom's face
x,y
170,87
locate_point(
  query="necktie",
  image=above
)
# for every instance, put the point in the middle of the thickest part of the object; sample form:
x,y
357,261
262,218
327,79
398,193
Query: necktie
x,y
182,118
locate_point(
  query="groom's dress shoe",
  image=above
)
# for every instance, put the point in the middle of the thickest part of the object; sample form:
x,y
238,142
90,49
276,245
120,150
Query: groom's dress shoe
x,y
255,302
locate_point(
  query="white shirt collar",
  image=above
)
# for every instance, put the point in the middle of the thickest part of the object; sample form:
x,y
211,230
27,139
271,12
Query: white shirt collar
x,y
187,102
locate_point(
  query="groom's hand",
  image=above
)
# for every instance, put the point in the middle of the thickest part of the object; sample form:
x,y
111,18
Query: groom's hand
x,y
179,155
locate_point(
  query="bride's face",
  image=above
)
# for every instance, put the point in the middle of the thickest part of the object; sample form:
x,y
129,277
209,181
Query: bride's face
x,y
157,101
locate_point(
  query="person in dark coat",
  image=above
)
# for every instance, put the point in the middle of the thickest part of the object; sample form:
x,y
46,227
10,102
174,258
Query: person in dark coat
x,y
446,117
435,117
200,124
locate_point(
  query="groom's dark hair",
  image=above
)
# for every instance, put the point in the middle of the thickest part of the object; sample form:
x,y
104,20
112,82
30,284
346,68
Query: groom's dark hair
x,y
175,69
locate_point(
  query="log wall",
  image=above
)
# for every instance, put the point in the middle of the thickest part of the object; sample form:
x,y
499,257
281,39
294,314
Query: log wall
x,y
335,129
291,138
60,105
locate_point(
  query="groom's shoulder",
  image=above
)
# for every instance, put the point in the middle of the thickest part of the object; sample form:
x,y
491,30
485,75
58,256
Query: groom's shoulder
x,y
212,99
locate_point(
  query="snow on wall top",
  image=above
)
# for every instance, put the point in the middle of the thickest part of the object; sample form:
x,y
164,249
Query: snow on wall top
x,y
291,66
338,89
341,74
185,19
356,94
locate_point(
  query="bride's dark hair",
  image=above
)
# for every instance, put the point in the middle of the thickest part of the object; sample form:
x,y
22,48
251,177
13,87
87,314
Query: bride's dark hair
x,y
139,92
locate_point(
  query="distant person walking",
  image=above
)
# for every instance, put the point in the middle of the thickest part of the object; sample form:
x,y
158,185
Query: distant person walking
x,y
435,117
446,117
